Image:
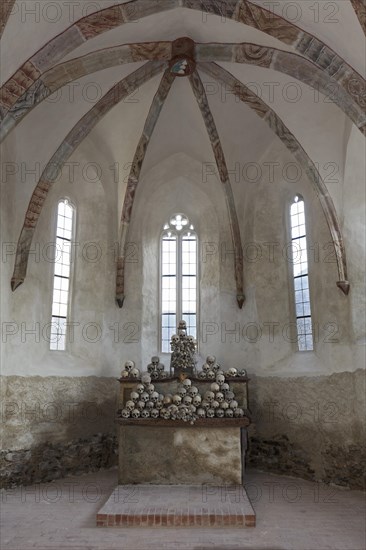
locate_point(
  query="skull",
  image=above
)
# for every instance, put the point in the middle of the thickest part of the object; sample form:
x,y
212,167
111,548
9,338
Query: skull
x,y
220,379
167,400
187,400
125,413
177,399
175,339
197,400
216,368
140,405
193,391
182,412
243,372
225,387
145,413
135,373
206,367
155,361
134,396
166,414
187,383
215,404
211,360
201,413
125,374
140,388
191,408
135,413
146,378
154,375
149,405
154,396
209,396
219,413
154,413
220,397
145,397
150,368
215,387
159,405
234,404
182,391
211,375
130,405
160,367
233,371
129,365
224,405
229,413
229,396
202,374
210,413
173,410
150,388
238,413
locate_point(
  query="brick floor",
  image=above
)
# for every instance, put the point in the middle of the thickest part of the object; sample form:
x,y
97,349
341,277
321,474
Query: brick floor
x,y
184,505
291,514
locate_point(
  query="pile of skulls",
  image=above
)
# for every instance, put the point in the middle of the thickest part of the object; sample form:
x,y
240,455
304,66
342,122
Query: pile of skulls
x,y
144,401
130,370
186,404
211,369
183,348
156,369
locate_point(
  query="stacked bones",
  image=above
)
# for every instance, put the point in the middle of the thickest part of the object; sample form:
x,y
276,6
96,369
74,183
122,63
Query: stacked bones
x,y
130,370
186,404
144,401
156,369
211,369
183,349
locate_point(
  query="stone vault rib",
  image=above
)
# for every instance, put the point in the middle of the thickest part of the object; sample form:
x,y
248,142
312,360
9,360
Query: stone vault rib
x,y
134,177
60,75
360,8
288,63
200,94
79,132
289,140
241,11
5,10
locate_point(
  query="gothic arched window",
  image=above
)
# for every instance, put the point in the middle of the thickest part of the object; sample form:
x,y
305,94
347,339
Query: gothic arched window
x,y
178,278
301,275
61,276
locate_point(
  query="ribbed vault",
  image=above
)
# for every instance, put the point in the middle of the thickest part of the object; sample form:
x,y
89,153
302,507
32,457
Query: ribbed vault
x,y
269,58
241,11
310,62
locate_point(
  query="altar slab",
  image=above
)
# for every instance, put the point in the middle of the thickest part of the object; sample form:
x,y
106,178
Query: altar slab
x,y
180,455
205,505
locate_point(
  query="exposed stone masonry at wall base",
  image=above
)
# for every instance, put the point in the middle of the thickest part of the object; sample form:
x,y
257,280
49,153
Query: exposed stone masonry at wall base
x,y
343,465
50,461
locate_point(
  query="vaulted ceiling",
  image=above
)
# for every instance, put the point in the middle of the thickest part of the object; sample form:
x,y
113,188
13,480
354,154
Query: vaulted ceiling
x,y
221,78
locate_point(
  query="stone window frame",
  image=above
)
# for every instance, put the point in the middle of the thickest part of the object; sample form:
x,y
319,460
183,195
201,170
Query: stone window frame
x,y
73,206
294,336
180,236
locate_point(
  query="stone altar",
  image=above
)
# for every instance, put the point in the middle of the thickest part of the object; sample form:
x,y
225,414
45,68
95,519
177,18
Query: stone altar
x,y
160,451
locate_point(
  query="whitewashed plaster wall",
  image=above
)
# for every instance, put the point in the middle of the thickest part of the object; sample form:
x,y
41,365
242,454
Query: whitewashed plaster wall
x,y
177,184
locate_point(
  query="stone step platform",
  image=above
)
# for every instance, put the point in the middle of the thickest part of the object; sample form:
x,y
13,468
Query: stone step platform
x,y
204,505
